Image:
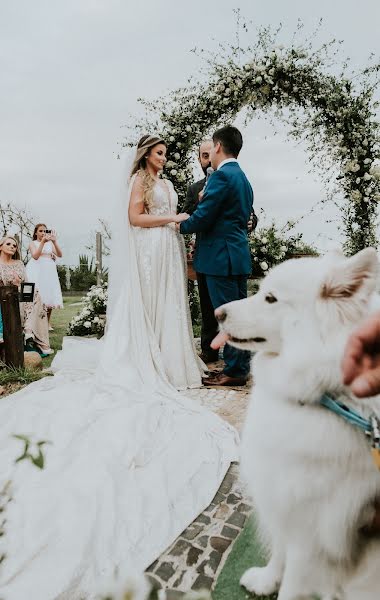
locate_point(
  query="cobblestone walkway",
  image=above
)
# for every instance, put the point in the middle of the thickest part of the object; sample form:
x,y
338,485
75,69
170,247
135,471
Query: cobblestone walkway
x,y
196,558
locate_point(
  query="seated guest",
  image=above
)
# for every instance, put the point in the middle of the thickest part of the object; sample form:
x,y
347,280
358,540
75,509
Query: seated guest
x,y
33,314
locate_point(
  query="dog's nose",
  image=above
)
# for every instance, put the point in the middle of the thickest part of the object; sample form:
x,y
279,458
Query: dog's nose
x,y
221,315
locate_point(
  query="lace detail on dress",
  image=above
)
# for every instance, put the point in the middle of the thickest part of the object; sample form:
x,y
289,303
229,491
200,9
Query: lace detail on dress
x,y
161,261
165,199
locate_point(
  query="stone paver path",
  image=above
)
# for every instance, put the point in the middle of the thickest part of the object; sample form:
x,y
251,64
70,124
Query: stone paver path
x,y
196,558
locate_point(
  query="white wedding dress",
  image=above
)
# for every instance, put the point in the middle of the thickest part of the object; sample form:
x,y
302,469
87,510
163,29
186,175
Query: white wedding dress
x,y
131,462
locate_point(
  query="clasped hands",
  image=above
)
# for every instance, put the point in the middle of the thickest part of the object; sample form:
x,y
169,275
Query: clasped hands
x,y
179,219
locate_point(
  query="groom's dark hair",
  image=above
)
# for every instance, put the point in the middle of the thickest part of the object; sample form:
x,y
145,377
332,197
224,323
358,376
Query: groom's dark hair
x,y
230,139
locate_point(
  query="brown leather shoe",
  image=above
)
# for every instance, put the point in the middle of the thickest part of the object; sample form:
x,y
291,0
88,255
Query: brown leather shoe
x,y
223,379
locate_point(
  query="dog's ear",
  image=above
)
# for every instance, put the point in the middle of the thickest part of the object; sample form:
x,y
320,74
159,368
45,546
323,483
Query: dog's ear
x,y
348,277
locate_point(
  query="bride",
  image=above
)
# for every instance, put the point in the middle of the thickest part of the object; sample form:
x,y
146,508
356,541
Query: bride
x,y
161,263
131,461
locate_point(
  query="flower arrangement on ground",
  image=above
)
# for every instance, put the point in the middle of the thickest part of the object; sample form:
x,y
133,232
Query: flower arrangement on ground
x,y
91,319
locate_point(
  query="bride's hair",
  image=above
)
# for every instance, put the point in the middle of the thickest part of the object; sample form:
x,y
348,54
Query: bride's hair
x,y
16,255
145,145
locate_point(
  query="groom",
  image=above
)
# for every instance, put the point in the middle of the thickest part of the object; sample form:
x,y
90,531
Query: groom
x,y
222,252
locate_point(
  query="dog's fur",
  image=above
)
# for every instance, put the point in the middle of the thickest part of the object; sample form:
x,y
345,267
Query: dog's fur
x,y
310,473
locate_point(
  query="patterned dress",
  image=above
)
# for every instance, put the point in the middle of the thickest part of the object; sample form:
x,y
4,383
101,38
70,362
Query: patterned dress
x,y
161,259
33,314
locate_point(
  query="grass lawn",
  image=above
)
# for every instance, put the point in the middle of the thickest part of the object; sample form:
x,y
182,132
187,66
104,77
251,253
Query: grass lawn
x,y
245,553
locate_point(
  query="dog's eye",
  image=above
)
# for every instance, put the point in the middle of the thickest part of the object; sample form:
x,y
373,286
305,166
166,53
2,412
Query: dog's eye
x,y
270,298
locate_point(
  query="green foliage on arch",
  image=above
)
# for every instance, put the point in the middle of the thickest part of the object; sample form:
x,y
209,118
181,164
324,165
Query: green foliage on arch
x,y
334,114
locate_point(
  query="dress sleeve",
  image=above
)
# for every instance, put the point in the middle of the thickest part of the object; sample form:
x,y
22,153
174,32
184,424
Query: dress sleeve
x,y
20,270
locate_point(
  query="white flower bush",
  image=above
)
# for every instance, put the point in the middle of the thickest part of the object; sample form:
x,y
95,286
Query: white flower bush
x,y
271,245
334,115
90,320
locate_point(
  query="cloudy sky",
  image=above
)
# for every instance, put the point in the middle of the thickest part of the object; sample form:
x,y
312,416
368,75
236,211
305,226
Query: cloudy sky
x,y
72,71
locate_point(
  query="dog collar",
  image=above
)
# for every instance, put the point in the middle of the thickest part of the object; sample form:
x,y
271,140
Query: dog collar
x,y
371,426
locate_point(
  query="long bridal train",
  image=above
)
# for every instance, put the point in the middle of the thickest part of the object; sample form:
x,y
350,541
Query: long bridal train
x,y
125,474
131,462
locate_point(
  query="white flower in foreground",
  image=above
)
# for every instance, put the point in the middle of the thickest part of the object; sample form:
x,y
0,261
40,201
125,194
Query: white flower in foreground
x,y
177,156
283,248
264,266
375,171
264,240
87,324
366,177
188,128
173,172
130,588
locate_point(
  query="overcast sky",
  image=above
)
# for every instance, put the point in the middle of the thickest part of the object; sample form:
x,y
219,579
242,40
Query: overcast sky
x,y
71,73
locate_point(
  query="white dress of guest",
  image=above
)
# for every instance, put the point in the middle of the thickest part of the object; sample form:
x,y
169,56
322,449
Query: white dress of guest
x,y
43,272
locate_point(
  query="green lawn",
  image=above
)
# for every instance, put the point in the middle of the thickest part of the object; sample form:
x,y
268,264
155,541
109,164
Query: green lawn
x,y
59,320
245,553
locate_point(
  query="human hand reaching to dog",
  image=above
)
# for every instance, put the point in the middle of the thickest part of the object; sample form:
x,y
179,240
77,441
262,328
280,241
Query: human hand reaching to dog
x,y
179,219
361,361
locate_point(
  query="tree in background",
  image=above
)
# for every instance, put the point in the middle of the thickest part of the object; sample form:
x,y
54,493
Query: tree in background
x,y
17,221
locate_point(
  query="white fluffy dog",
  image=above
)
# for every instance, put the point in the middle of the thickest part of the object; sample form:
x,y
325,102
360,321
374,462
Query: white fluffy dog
x,y
311,474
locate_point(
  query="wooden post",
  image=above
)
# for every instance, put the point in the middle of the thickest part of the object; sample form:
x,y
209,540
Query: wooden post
x,y
99,266
68,277
12,329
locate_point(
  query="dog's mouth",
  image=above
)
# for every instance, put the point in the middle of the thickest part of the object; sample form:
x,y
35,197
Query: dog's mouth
x,y
255,340
224,337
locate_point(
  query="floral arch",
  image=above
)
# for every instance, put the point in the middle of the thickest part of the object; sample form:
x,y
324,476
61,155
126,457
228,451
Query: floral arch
x,y
335,115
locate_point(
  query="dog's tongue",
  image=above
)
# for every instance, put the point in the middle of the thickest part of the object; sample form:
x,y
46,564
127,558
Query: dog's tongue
x,y
221,339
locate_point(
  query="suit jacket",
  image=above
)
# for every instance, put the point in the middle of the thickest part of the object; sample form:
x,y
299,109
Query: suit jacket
x,y
191,201
222,218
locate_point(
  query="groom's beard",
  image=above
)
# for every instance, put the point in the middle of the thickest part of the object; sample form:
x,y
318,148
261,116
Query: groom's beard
x,y
204,169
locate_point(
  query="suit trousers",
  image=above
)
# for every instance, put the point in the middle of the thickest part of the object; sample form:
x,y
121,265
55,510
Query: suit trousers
x,y
223,289
209,323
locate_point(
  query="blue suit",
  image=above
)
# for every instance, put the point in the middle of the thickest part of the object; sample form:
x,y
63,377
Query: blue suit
x,y
222,251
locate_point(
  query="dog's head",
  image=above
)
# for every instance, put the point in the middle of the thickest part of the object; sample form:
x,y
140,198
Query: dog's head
x,y
323,295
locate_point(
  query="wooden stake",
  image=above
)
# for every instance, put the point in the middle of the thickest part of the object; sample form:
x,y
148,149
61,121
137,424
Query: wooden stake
x,y
13,335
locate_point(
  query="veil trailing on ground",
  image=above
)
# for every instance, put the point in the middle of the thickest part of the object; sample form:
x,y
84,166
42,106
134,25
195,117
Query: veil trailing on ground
x,y
132,461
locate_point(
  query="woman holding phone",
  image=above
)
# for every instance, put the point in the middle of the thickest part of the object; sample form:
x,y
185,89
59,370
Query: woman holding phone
x,y
41,268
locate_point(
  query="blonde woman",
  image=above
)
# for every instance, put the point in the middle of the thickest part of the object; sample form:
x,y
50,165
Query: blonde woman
x,y
161,263
33,314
